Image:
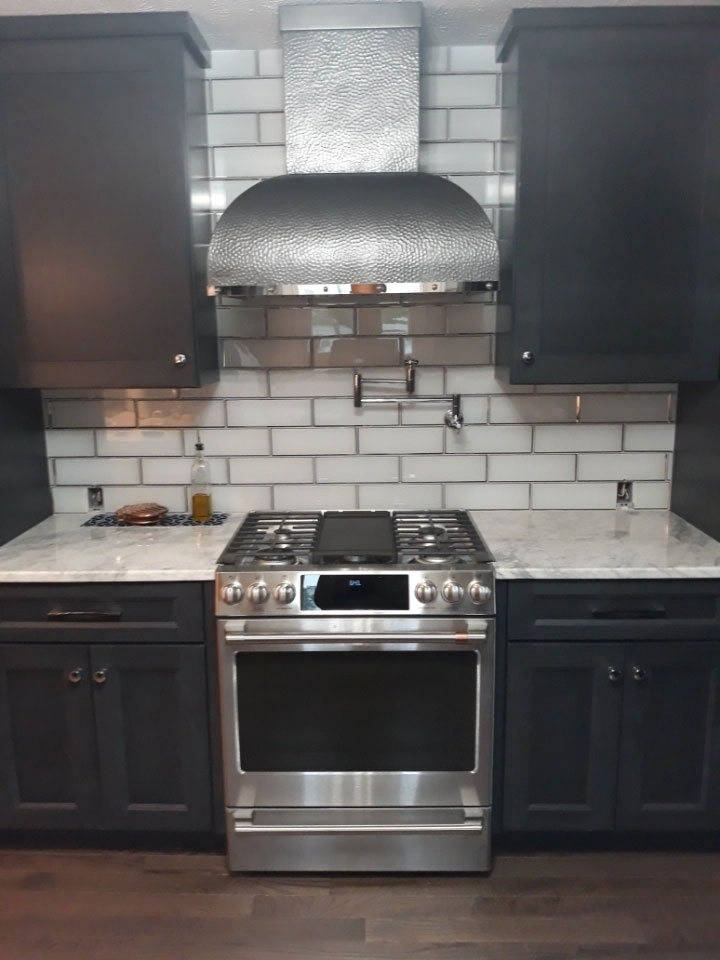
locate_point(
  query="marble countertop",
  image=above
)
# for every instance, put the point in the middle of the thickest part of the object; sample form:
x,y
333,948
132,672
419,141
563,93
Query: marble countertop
x,y
547,544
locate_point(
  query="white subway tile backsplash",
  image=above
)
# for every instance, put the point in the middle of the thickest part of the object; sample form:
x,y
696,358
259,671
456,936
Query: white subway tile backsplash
x,y
241,322
480,380
446,157
70,443
472,318
433,125
448,350
89,471
321,497
532,409
270,62
647,436
69,499
489,439
265,161
474,410
577,437
357,469
311,321
268,470
266,353
531,466
232,384
259,413
341,412
401,439
139,443
232,128
473,59
177,470
401,320
174,498
356,351
315,440
232,96
232,63
624,408
236,499
647,496
573,496
441,469
485,189
90,413
230,442
621,466
487,496
474,124
303,383
400,496
272,127
464,90
434,59
181,413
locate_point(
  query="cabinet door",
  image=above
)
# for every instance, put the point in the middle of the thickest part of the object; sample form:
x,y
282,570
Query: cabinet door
x,y
96,214
562,729
48,765
151,716
669,775
615,249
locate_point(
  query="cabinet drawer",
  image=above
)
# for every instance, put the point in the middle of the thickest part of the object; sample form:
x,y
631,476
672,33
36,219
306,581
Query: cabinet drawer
x,y
97,613
614,610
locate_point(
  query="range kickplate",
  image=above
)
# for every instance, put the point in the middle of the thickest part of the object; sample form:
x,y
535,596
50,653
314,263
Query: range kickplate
x,y
355,537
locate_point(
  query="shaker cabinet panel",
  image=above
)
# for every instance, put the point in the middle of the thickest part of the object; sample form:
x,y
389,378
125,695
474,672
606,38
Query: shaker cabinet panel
x,y
611,271
48,766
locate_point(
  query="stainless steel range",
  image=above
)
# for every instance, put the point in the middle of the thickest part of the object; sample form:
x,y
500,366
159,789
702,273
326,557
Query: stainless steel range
x,y
356,671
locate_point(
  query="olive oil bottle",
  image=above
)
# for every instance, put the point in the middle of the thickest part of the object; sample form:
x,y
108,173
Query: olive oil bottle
x,y
200,500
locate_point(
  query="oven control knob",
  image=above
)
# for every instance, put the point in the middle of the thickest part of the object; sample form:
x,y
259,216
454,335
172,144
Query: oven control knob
x,y
426,591
452,592
258,593
479,592
232,593
284,592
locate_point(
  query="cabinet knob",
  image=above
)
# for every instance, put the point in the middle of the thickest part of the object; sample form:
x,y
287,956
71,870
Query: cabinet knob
x,y
99,677
75,675
528,358
639,675
180,359
615,675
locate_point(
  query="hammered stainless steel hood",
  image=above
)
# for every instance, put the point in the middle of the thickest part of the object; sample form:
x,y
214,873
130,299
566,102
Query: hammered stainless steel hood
x,y
353,215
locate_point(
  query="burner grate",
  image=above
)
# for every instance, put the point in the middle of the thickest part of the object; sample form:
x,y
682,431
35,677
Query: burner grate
x,y
270,539
438,536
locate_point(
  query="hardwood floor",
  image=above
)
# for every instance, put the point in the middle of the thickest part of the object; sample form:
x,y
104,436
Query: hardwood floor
x,y
100,905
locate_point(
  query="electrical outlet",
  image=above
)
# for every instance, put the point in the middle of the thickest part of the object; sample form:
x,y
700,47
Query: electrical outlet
x,y
95,498
624,493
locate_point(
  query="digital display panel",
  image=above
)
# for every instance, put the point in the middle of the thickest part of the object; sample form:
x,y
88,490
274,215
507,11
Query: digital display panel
x,y
320,591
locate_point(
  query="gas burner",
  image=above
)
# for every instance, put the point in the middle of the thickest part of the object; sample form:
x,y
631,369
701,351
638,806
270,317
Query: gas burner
x,y
432,533
278,555
431,559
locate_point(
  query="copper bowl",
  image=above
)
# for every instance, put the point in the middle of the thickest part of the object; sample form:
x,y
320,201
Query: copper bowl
x,y
140,514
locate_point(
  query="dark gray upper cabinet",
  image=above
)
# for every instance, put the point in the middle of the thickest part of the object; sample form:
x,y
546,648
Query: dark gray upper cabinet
x,y
611,177
102,225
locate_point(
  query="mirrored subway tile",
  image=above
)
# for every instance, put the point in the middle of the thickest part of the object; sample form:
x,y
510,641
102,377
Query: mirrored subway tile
x,y
323,382
232,128
241,499
448,350
474,124
168,496
651,496
232,63
271,470
310,321
462,90
356,351
253,95
473,59
272,127
624,408
181,413
400,496
258,413
400,320
70,443
573,496
230,441
232,383
401,439
480,379
532,466
443,469
139,443
471,318
487,496
241,322
325,497
266,353
532,409
489,439
433,125
341,411
650,436
570,437
90,471
69,499
357,469
90,413
315,440
473,409
177,470
443,157
621,466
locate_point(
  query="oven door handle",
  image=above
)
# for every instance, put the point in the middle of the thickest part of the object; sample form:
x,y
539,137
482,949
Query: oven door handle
x,y
246,828
454,638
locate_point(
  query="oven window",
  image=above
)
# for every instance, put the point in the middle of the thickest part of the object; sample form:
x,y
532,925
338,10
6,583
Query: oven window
x,y
384,711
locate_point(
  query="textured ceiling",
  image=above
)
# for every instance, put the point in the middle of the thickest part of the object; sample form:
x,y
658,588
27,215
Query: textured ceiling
x,y
239,24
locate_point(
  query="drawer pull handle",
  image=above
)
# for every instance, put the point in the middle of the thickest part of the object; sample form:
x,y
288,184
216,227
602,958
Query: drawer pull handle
x,y
639,675
85,616
615,675
75,675
634,613
99,677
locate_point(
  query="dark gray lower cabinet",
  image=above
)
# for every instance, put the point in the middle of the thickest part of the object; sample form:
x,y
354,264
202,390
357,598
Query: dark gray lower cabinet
x,y
104,737
603,736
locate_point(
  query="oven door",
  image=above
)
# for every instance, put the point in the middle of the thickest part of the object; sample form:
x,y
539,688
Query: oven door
x,y
357,712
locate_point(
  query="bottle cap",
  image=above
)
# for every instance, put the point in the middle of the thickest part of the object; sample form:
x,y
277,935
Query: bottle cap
x,y
199,445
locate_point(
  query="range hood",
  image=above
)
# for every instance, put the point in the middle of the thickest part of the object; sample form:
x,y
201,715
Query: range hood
x,y
353,215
